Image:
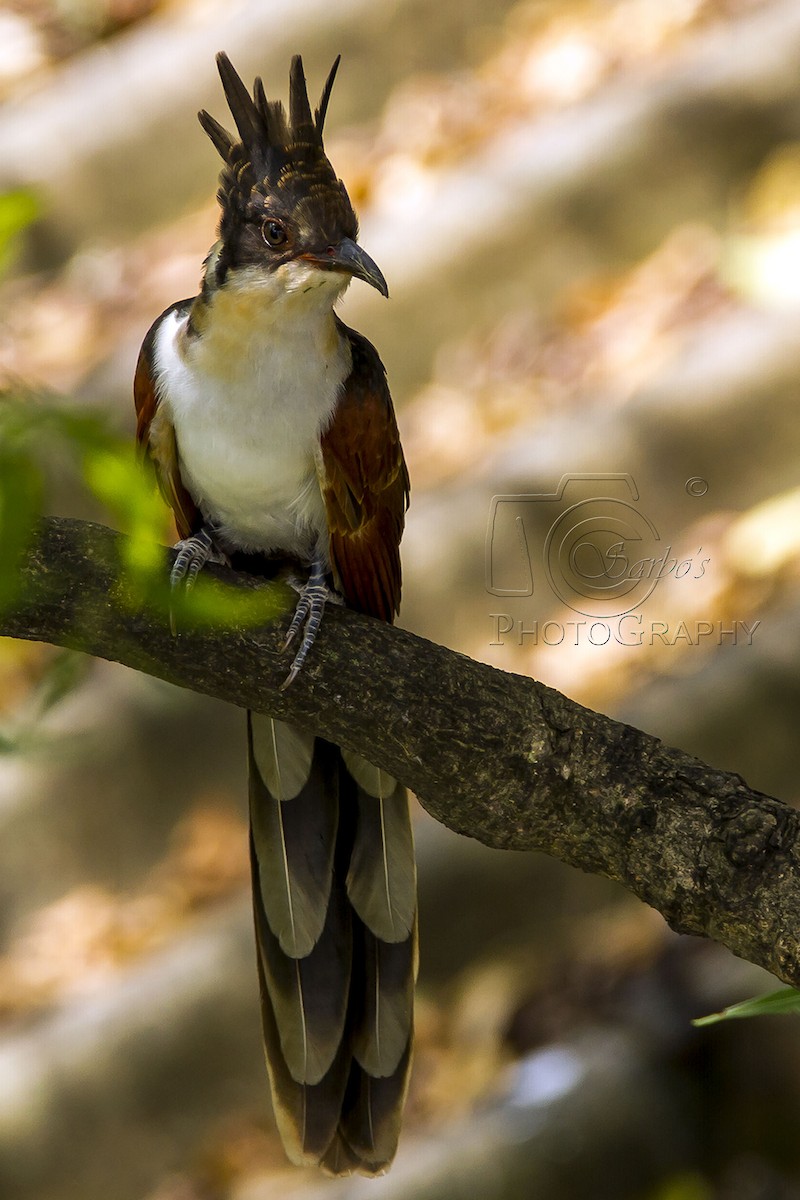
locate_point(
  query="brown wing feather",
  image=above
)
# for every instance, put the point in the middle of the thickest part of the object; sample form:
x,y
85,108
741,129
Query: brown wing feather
x,y
155,434
365,487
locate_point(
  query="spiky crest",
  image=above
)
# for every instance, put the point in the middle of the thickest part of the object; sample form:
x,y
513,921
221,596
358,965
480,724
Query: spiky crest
x,y
265,132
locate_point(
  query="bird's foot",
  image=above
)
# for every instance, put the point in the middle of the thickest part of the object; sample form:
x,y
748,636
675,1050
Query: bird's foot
x,y
193,554
314,595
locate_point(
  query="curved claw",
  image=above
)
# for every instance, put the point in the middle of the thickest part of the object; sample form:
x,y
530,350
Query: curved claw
x,y
310,607
193,554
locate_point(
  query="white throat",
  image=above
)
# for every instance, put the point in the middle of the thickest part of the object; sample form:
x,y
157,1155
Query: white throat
x,y
249,399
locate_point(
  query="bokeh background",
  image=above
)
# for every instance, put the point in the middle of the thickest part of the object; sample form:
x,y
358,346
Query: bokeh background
x,y
588,212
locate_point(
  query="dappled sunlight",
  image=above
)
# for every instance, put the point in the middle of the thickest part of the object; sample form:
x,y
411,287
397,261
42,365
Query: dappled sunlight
x,y
81,942
588,215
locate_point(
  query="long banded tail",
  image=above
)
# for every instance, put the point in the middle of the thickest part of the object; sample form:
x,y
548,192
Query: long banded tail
x,y
334,896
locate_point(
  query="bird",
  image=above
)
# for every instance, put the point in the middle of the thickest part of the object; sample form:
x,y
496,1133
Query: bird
x,y
270,427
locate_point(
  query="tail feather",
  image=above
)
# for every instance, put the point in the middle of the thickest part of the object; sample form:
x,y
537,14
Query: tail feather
x,y
294,813
372,1113
307,1115
335,914
382,1031
382,879
310,995
339,1159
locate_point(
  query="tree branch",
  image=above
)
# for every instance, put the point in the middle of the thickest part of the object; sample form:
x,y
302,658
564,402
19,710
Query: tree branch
x,y
495,756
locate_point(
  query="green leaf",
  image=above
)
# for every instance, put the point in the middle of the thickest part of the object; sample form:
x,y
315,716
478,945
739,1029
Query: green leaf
x,y
33,432
20,507
24,735
62,676
787,1000
9,744
687,1185
119,481
212,604
18,210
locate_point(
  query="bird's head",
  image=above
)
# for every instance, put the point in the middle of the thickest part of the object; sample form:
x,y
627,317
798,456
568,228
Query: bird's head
x,y
284,211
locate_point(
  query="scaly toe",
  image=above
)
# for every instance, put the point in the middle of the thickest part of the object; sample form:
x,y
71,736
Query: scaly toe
x,y
193,554
308,617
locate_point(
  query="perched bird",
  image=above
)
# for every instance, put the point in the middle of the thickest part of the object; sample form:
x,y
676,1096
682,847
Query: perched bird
x,y
273,436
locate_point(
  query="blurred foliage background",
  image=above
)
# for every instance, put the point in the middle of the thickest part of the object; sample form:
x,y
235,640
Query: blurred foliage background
x,y
588,212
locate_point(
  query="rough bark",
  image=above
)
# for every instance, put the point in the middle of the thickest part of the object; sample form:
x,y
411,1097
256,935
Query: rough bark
x,y
498,757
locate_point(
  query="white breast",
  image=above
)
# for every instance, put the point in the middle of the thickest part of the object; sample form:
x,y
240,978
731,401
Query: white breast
x,y
248,400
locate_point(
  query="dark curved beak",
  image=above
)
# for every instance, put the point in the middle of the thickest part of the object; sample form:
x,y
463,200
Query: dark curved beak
x,y
349,257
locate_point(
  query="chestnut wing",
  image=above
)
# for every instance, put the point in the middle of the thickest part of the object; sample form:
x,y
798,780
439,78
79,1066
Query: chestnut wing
x,y
156,436
365,486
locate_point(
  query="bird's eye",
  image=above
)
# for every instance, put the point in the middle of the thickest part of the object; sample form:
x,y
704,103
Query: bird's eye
x,y
273,233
